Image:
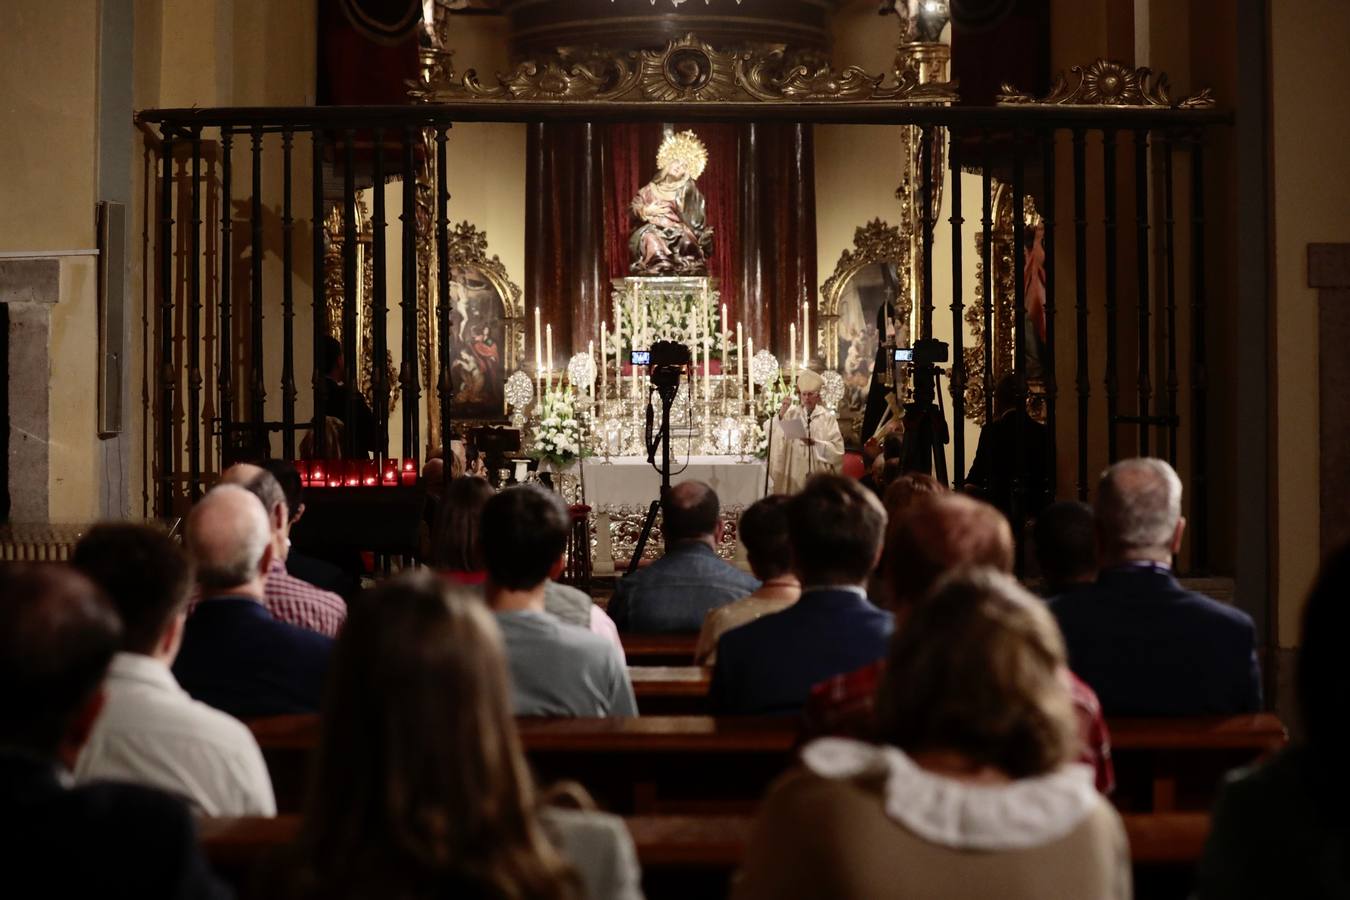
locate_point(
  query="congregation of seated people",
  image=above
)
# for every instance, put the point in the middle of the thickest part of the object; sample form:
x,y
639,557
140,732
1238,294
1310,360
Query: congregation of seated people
x,y
955,742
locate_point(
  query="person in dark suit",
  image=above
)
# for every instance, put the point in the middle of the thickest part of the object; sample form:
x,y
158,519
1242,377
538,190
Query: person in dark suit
x,y
1014,451
1065,536
235,655
58,635
835,526
1279,828
1145,644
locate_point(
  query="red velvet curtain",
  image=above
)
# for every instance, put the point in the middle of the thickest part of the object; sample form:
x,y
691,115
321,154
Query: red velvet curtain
x,y
759,185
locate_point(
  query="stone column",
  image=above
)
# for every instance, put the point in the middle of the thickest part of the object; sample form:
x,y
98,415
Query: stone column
x,y
29,287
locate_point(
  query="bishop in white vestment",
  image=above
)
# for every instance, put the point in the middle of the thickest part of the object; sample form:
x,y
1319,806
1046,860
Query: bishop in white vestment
x,y
793,460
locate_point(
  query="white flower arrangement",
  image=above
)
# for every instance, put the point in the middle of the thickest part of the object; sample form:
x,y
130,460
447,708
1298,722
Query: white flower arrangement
x,y
558,435
672,317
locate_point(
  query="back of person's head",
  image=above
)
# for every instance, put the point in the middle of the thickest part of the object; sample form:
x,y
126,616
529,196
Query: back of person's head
x,y
892,447
291,486
1138,508
978,669
524,536
332,353
58,633
940,533
906,490
1010,393
691,512
421,787
228,535
457,543
1323,679
143,571
836,527
1066,543
764,532
262,484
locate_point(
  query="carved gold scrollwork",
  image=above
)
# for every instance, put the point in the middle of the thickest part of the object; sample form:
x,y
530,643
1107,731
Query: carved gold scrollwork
x,y
1107,83
334,296
1004,308
687,70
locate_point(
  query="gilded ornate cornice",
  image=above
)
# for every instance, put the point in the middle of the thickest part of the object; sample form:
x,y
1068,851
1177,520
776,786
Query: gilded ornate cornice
x,y
687,70
1111,84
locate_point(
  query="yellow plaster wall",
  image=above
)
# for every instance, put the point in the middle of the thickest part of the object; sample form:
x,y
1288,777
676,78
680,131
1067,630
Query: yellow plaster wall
x,y
1310,125
48,115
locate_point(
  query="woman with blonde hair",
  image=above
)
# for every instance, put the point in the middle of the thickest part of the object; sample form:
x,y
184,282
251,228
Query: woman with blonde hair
x,y
421,789
973,792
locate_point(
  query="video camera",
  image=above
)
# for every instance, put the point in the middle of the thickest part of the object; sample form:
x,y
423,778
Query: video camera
x,y
666,359
926,351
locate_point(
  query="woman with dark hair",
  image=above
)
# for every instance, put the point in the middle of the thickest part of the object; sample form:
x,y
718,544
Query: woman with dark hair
x,y
1280,829
421,789
972,793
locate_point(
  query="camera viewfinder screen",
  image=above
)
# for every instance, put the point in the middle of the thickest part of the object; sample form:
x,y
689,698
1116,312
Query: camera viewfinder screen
x,y
904,354
642,357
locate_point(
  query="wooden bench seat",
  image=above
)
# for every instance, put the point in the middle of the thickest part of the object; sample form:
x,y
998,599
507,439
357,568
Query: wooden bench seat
x,y
671,690
659,649
1164,765
688,855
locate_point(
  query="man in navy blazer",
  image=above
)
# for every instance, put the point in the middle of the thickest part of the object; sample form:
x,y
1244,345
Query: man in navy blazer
x,y
768,666
235,656
1145,644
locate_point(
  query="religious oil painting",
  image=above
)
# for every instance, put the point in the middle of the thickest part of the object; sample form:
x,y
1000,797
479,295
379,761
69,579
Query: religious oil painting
x,y
870,290
477,343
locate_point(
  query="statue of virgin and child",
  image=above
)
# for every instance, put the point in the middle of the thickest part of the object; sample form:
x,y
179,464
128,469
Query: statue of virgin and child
x,y
673,236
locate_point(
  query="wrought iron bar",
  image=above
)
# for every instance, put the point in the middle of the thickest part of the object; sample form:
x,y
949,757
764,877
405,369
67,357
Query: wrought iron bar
x,y
408,377
1112,377
1048,356
1083,381
258,386
350,282
194,317
168,374
1142,263
958,307
320,317
287,302
1018,505
1199,373
987,252
225,376
379,383
1169,256
445,390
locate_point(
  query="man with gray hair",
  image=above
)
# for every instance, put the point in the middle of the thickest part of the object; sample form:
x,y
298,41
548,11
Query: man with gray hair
x,y
1145,644
235,656
286,597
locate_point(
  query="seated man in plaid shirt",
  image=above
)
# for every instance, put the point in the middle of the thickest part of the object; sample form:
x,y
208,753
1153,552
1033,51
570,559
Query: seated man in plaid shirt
x,y
287,598
933,537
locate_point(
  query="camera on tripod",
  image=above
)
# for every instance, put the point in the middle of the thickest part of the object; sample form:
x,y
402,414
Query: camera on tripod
x,y
925,352
667,359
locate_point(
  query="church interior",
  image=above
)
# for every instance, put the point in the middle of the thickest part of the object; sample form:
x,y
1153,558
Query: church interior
x,y
607,246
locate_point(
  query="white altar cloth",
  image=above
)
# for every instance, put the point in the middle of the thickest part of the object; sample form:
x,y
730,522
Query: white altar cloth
x,y
632,481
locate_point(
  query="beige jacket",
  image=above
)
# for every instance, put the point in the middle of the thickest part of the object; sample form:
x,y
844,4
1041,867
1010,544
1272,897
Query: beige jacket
x,y
879,828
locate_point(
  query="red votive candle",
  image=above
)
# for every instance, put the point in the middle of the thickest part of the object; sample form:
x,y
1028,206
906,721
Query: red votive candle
x,y
390,475
409,472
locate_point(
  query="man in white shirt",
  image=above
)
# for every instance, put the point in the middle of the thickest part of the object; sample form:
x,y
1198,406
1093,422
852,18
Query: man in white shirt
x,y
804,440
151,732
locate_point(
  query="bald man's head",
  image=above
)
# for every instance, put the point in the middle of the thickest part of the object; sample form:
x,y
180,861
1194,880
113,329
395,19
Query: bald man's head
x,y
691,512
229,536
941,533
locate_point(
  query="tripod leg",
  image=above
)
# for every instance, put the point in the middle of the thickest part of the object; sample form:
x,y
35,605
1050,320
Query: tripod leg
x,y
642,538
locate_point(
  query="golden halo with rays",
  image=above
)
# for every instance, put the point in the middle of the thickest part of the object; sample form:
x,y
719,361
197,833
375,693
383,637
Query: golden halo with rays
x,y
683,147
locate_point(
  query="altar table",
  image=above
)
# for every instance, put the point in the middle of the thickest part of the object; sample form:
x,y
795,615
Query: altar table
x,y
620,491
632,481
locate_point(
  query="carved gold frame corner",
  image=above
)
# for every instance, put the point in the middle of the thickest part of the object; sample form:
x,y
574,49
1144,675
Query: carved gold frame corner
x,y
1004,339
1111,84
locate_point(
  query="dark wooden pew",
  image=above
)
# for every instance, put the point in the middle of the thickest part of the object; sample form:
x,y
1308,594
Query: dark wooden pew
x,y
671,690
695,856
638,765
659,649
1165,765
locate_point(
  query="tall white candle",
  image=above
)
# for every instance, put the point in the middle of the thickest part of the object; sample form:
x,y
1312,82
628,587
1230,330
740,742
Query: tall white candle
x,y
634,337
806,333
750,373
707,362
740,363
548,355
604,357
538,353
792,350
590,351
